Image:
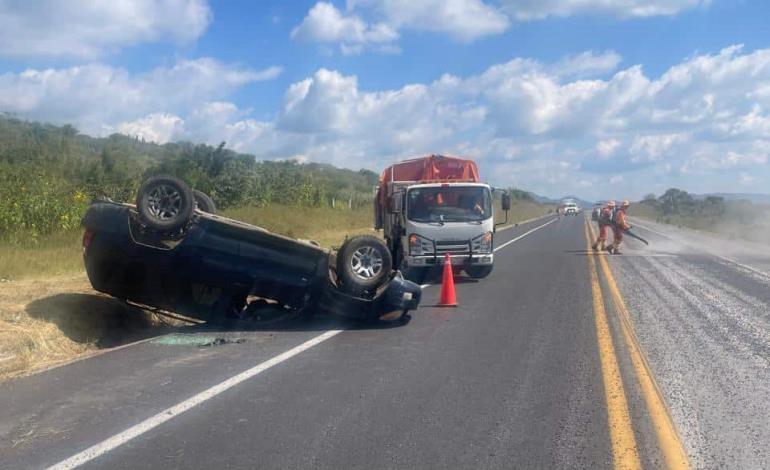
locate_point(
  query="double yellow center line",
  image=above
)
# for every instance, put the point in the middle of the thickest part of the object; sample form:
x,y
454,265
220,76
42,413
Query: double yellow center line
x,y
624,448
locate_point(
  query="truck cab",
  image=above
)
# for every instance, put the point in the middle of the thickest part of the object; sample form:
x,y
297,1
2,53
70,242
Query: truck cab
x,y
448,218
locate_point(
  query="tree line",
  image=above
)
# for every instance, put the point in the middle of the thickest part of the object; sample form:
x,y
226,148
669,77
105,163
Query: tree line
x,y
679,206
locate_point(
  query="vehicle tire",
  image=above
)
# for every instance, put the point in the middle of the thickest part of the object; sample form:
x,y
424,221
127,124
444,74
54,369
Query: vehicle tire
x,y
363,264
204,202
479,272
164,203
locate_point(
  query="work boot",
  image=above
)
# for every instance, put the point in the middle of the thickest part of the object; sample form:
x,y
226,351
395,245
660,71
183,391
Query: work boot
x,y
615,249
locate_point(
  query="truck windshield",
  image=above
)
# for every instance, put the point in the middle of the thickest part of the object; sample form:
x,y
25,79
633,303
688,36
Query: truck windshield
x,y
449,204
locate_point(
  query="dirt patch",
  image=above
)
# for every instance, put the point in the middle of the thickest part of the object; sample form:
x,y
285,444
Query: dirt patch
x,y
44,322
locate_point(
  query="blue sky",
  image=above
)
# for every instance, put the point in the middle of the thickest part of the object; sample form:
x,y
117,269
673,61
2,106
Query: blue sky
x,y
597,98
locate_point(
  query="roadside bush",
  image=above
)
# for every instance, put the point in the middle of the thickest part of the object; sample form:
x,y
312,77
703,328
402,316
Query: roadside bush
x,y
36,204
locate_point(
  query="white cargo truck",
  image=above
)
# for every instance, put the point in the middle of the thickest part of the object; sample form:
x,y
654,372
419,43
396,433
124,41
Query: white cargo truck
x,y
435,206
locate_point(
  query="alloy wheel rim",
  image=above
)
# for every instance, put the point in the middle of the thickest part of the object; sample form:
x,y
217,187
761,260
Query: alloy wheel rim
x,y
164,202
366,262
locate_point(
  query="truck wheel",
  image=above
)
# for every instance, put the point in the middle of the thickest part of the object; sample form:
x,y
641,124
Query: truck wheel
x,y
479,272
204,202
363,264
164,203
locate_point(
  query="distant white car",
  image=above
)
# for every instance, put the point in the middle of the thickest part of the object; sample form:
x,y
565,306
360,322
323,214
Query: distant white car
x,y
571,208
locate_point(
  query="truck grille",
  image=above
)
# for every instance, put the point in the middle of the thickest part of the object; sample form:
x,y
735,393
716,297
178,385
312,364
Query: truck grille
x,y
458,247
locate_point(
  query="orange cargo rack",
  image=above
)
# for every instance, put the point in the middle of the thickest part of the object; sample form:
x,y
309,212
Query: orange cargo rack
x,y
429,169
439,168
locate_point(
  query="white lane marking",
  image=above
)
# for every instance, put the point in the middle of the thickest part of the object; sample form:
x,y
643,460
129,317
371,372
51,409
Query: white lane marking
x,y
516,224
523,235
511,241
724,258
154,421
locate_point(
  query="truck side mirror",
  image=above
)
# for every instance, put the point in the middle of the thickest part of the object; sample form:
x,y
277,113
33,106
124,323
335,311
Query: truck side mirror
x,y
395,203
506,200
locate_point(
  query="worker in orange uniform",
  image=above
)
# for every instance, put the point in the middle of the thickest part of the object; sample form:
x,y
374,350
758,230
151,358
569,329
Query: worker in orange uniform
x,y
605,222
619,225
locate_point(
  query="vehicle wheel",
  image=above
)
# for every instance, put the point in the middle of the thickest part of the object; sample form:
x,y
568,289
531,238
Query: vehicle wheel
x,y
164,203
479,272
363,264
204,202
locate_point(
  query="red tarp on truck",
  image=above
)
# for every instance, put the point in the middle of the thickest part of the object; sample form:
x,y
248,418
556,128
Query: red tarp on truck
x,y
431,168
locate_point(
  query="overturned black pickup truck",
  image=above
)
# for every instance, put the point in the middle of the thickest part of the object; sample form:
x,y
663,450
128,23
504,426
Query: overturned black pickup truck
x,y
170,251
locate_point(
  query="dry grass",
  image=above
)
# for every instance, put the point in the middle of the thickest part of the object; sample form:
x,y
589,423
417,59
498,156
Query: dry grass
x,y
46,321
525,210
57,254
327,226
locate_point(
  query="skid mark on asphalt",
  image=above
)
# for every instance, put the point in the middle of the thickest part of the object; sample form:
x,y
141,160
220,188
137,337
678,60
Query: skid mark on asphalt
x,y
624,449
668,439
152,422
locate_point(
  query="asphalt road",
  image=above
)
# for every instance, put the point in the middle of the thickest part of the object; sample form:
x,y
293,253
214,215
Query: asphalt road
x,y
560,359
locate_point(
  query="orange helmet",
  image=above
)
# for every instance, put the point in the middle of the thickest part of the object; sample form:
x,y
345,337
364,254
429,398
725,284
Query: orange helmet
x,y
611,203
625,203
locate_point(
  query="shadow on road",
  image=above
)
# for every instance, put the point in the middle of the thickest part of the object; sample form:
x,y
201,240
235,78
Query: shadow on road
x,y
292,322
103,321
107,322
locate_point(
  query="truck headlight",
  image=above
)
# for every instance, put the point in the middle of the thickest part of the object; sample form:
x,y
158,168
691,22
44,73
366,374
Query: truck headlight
x,y
419,245
483,243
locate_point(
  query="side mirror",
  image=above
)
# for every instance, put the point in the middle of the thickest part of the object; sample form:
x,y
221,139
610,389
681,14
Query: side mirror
x,y
395,202
506,200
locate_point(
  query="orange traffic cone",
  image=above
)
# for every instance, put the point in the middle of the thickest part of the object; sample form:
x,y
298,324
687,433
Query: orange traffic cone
x,y
448,298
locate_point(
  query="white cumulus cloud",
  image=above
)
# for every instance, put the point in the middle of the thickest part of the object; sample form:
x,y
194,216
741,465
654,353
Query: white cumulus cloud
x,y
528,10
465,20
98,97
156,127
326,24
89,29
605,148
377,24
